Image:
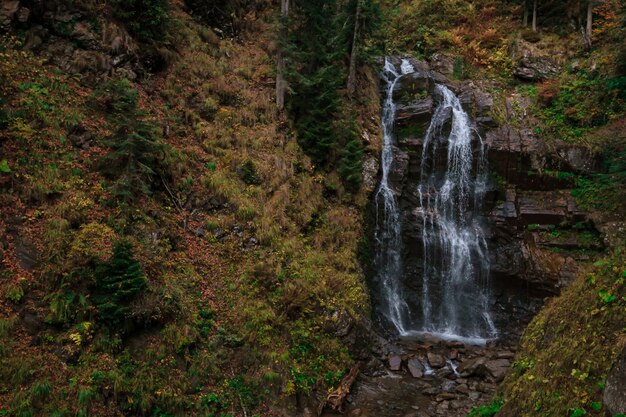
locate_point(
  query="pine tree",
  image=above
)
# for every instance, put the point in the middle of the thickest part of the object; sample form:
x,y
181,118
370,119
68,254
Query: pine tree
x,y
136,151
324,36
351,164
148,19
118,281
316,49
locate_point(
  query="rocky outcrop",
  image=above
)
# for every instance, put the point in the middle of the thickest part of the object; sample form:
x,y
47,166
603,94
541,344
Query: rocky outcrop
x,y
614,397
73,39
531,63
538,237
427,378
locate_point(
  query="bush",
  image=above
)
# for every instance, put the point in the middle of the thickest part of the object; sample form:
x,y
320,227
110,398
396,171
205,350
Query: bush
x,y
248,174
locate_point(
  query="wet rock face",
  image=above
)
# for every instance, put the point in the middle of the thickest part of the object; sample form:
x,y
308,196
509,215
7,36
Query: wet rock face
x,y
538,237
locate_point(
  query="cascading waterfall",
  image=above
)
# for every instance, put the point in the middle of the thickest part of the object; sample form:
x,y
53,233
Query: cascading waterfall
x,y
388,234
454,297
456,258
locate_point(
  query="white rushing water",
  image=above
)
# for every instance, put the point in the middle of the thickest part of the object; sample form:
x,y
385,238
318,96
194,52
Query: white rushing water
x,y
454,297
388,223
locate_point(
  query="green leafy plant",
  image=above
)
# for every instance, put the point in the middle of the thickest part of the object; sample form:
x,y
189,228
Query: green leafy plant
x,y
4,166
577,412
488,410
606,296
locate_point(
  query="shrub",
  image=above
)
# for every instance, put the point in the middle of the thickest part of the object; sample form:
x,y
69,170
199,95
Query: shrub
x,y
92,243
248,174
14,292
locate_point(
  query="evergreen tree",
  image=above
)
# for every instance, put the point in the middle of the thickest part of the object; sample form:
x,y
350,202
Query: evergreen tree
x,y
315,52
325,39
136,149
118,281
351,164
148,19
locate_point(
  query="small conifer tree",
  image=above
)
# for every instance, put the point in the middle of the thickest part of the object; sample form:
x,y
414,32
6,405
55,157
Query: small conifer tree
x,y
136,150
118,281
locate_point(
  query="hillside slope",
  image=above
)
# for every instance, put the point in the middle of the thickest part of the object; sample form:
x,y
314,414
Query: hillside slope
x,y
238,269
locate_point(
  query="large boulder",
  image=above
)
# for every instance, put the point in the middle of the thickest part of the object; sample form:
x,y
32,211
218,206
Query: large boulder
x,y
535,68
8,10
531,63
411,87
416,115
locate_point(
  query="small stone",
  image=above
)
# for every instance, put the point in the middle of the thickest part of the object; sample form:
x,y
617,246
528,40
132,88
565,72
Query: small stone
x,y
395,362
473,367
448,386
435,360
498,368
505,355
446,396
485,388
442,408
462,389
430,391
456,404
415,368
474,395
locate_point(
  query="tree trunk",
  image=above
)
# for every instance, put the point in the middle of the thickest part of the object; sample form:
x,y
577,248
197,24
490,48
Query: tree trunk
x,y
353,54
525,22
534,15
281,83
589,28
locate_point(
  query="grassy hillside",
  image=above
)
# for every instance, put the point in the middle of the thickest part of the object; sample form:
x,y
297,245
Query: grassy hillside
x,y
568,350
238,267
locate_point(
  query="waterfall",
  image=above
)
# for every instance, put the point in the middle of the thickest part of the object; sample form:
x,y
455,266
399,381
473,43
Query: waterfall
x,y
388,233
454,298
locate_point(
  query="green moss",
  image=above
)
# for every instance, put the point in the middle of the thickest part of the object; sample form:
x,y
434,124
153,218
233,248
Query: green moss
x,y
411,131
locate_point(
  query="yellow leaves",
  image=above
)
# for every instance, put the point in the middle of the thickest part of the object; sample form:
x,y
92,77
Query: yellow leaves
x,y
93,241
76,338
289,389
